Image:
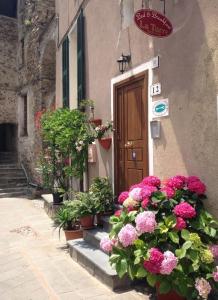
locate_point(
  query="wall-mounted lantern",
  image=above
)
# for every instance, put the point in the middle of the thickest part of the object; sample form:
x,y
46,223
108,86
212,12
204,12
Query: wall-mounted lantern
x,y
123,62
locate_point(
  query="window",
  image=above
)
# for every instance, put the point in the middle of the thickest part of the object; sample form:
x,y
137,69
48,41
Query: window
x,y
24,129
65,72
80,58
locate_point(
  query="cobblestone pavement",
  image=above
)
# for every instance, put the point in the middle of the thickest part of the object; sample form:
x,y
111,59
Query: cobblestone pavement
x,y
35,265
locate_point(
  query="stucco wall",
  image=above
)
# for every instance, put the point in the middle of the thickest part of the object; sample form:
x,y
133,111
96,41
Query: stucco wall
x,y
188,73
8,71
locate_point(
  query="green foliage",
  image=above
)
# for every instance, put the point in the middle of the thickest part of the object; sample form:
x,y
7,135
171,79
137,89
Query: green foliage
x,y
68,132
85,205
102,193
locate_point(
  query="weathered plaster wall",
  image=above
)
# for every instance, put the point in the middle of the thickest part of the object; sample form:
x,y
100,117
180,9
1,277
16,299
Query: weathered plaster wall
x,y
8,70
188,73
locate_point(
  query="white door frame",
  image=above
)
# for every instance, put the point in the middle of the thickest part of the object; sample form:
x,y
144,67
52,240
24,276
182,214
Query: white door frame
x,y
148,66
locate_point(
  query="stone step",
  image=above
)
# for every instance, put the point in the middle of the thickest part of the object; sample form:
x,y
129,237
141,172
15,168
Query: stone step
x,y
15,182
96,263
13,189
8,166
106,224
11,171
13,194
94,236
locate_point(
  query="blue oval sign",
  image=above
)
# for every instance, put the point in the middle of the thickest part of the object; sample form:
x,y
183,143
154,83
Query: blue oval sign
x,y
160,107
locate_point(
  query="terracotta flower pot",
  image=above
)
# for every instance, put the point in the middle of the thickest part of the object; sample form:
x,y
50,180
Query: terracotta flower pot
x,y
87,222
105,143
171,295
96,122
73,234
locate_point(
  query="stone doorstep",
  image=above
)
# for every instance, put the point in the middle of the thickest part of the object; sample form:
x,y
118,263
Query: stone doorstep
x,y
94,236
97,264
49,207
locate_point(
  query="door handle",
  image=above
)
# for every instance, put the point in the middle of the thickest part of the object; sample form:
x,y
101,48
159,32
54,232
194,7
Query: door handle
x,y
129,144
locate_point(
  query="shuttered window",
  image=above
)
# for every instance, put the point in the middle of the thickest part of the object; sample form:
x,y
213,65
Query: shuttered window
x,y
65,72
80,58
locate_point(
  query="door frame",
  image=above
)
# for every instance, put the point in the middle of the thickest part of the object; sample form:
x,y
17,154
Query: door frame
x,y
122,79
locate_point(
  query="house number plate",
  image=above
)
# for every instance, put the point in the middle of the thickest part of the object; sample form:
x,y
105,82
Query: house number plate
x,y
155,89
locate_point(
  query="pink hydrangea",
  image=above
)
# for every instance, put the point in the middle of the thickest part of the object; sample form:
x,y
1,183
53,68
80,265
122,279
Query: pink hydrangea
x,y
147,191
183,178
138,185
106,244
151,180
135,194
118,212
215,275
122,197
168,191
203,287
214,250
153,264
197,187
180,223
184,210
192,179
145,222
169,263
144,203
175,183
127,235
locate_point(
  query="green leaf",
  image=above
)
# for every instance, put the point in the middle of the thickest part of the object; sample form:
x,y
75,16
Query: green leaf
x,y
174,237
180,253
187,245
151,279
139,244
185,234
163,228
114,258
121,267
141,272
164,287
170,221
193,255
114,220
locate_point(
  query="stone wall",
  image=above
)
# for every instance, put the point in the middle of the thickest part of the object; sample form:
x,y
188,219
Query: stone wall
x,y
36,80
8,70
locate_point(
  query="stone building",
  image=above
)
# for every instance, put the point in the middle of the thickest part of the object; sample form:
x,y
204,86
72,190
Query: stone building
x,y
27,75
187,71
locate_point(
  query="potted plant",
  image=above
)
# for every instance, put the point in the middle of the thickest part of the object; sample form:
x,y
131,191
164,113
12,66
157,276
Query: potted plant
x,y
164,234
100,131
102,193
85,209
67,219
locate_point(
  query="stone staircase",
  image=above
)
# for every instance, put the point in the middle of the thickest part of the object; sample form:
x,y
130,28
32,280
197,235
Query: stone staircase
x,y
87,253
13,182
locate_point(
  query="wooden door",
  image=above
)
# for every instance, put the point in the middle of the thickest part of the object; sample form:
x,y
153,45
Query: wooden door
x,y
131,132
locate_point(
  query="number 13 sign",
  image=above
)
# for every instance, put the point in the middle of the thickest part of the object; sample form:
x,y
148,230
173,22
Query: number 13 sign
x,y
156,89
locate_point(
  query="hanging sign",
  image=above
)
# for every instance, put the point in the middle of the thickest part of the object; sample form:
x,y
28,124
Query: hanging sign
x,y
160,108
153,23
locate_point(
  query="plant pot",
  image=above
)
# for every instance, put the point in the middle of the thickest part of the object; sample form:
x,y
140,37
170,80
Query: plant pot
x,y
96,122
102,214
105,143
87,222
73,234
57,198
171,295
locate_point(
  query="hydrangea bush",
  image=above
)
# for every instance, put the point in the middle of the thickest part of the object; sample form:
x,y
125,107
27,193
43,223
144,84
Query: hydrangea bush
x,y
163,233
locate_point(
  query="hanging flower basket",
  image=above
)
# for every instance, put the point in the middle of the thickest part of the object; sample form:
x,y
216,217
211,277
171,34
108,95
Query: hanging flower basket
x,y
105,143
96,122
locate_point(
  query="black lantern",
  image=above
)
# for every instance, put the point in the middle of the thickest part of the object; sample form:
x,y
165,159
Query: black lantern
x,y
123,61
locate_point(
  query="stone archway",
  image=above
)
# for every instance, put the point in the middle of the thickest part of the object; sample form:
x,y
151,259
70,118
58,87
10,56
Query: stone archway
x,y
8,137
48,75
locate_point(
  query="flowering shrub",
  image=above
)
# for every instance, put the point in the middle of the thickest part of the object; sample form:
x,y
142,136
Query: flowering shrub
x,y
164,234
101,130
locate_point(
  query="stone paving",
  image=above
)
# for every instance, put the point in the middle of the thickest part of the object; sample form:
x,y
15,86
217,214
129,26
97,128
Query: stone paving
x,y
35,264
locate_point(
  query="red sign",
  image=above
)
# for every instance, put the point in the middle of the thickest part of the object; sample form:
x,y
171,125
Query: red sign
x,y
153,23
